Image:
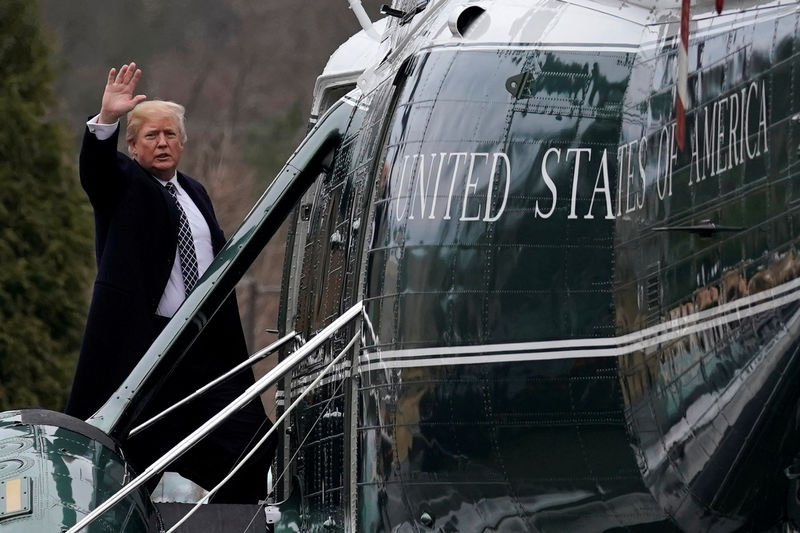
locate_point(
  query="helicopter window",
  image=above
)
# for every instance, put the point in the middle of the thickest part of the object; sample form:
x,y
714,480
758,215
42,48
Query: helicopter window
x,y
332,94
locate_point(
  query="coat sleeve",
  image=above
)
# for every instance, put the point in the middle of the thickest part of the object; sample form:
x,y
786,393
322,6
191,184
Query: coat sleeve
x,y
100,170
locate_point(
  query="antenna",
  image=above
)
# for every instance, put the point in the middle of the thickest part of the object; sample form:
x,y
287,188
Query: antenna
x,y
364,20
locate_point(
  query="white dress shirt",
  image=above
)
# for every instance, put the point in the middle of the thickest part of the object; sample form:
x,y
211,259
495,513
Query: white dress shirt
x,y
174,292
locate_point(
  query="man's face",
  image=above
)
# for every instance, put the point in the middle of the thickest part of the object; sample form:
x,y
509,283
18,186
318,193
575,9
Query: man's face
x,y
158,147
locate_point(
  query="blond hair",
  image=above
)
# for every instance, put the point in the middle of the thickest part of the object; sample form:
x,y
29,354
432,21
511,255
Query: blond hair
x,y
154,109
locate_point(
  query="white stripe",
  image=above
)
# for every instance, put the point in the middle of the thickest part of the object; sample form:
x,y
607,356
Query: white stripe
x,y
300,383
581,348
683,83
629,338
355,102
565,349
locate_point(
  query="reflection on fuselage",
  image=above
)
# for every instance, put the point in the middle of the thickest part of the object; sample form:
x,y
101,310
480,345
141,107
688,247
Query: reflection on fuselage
x,y
540,358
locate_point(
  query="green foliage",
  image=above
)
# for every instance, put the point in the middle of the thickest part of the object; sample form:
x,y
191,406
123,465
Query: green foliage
x,y
45,224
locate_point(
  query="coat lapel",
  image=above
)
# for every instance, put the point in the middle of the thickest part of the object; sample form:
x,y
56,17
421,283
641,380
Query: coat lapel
x,y
203,204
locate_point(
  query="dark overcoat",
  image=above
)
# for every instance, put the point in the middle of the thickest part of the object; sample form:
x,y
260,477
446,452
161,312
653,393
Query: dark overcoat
x,y
136,231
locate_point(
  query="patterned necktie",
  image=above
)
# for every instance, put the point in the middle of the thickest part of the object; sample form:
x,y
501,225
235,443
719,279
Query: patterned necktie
x,y
185,245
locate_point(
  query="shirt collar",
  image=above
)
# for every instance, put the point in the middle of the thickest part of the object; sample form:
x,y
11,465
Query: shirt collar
x,y
173,180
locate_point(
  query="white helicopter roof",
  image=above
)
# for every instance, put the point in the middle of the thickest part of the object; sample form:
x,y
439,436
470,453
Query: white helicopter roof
x,y
596,23
348,62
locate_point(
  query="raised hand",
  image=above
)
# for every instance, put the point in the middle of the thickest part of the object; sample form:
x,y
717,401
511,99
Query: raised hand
x,y
118,96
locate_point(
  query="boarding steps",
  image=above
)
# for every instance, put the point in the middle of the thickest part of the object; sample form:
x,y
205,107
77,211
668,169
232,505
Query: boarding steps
x,y
215,518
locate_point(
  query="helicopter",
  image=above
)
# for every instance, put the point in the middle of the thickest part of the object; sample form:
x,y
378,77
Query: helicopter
x,y
541,274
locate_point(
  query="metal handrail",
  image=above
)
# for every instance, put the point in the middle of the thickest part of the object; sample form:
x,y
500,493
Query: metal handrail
x,y
263,439
261,354
266,381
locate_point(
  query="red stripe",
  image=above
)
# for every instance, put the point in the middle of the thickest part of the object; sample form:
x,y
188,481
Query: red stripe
x,y
680,107
685,24
680,119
